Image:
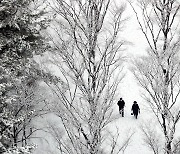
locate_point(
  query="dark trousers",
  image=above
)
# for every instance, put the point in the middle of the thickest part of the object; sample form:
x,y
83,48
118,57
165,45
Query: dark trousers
x,y
135,114
121,111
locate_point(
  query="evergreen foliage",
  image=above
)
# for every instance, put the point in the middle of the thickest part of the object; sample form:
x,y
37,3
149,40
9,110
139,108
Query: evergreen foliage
x,y
21,25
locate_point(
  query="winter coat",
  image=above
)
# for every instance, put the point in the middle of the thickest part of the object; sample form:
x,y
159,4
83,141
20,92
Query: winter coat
x,y
121,104
135,109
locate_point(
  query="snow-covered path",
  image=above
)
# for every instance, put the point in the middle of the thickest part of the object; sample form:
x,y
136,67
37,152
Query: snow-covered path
x,y
125,125
128,125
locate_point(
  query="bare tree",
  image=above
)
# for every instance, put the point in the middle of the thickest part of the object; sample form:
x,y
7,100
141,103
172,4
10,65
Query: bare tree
x,y
158,72
152,139
87,53
27,107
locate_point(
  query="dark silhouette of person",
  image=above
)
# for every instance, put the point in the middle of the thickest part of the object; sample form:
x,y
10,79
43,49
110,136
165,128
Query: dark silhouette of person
x,y
121,105
135,109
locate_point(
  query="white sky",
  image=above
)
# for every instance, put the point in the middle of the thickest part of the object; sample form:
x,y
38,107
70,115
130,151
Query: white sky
x,y
130,91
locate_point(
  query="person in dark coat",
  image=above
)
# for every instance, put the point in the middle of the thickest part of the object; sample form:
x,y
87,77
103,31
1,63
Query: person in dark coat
x,y
135,109
121,105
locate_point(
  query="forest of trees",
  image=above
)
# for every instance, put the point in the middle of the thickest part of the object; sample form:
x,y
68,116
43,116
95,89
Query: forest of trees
x,y
82,40
21,39
158,73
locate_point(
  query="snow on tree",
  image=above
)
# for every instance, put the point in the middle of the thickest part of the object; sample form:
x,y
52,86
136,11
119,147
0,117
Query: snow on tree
x,y
21,23
88,59
158,72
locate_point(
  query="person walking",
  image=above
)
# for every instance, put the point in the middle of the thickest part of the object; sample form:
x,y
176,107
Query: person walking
x,y
121,105
135,109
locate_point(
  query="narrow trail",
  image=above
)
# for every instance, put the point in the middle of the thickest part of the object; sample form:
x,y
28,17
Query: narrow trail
x,y
128,125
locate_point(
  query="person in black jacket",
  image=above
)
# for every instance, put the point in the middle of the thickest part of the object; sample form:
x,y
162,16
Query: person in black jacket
x,y
121,105
135,109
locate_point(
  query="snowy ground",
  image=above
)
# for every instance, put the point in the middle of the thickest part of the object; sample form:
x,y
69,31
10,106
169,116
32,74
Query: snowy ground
x,y
129,124
126,125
